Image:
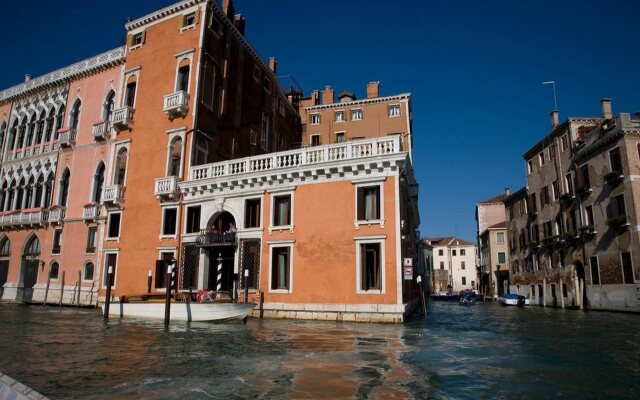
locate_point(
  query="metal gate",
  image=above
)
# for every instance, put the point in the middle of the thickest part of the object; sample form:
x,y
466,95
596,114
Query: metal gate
x,y
190,265
250,259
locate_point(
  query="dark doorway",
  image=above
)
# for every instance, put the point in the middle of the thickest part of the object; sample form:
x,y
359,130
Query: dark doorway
x,y
581,280
226,255
30,263
4,272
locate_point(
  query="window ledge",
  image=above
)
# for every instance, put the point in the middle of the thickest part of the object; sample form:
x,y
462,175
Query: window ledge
x,y
373,291
250,230
370,222
167,237
285,291
186,28
137,46
281,228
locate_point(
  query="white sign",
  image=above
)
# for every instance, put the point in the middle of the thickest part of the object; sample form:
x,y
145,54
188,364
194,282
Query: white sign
x,y
408,262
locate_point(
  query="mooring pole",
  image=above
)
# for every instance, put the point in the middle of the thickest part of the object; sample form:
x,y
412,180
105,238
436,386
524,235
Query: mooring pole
x,y
219,279
46,291
79,282
246,287
562,293
149,282
62,289
423,306
167,299
107,301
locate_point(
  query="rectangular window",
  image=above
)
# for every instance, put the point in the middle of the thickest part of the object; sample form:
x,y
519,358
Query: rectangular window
x,y
552,152
314,119
564,142
463,265
267,85
130,94
500,237
556,190
339,116
394,110
627,267
595,270
541,158
584,174
617,206
615,161
111,260
252,213
464,280
370,269
569,181
137,39
189,19
463,252
368,203
441,264
588,220
182,81
193,219
440,252
208,84
253,137
169,221
356,115
340,137
545,194
114,225
280,268
529,167
92,234
501,258
282,210
315,140
57,241
453,252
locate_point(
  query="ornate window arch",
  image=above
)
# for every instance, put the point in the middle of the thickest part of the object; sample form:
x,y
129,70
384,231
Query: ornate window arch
x,y
63,191
175,157
22,128
74,115
40,126
108,105
59,121
37,198
48,191
31,130
50,125
122,159
5,247
98,183
3,130
20,194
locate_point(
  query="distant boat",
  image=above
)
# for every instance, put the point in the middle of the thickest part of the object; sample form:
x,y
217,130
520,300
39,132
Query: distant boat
x,y
513,299
153,307
444,296
467,297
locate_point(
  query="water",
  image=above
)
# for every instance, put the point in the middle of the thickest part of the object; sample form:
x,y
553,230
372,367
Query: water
x,y
483,351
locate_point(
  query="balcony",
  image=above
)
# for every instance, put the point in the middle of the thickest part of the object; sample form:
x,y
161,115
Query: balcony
x,y
122,118
32,217
209,237
91,211
10,218
618,222
176,104
112,195
584,191
166,187
67,137
100,130
56,215
613,177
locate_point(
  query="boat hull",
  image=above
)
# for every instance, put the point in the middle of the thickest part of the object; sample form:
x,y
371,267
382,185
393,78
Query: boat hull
x,y
190,312
513,302
447,297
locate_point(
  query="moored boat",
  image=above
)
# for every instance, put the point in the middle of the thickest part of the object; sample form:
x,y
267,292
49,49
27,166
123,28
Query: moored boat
x,y
467,297
513,299
444,296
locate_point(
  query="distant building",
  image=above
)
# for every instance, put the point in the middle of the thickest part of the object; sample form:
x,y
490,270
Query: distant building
x,y
453,263
578,227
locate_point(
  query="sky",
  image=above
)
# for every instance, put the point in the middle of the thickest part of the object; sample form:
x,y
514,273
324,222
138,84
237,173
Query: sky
x,y
474,68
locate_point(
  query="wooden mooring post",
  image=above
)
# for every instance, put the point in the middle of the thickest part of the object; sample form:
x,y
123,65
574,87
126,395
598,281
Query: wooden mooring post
x,y
79,282
167,299
107,300
46,290
62,289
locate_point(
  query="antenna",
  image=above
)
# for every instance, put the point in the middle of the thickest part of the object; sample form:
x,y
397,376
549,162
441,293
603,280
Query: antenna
x,y
555,101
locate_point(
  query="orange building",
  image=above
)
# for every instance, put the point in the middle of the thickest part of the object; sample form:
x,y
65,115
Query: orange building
x,y
177,146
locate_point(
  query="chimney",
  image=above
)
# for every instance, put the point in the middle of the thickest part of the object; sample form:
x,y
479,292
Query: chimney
x,y
327,95
227,8
507,191
239,23
27,77
273,64
605,105
315,95
373,89
555,118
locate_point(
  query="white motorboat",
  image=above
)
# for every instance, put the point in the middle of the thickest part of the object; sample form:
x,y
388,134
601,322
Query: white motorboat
x,y
513,299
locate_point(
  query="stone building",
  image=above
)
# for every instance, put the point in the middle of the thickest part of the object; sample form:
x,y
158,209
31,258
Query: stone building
x,y
454,262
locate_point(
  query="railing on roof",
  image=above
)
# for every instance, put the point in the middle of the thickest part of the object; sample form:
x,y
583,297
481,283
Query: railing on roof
x,y
296,158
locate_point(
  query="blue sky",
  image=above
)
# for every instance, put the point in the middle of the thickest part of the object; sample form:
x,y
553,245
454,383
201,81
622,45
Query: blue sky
x,y
474,68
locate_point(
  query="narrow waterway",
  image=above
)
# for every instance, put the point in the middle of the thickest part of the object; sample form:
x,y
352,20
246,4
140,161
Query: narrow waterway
x,y
482,351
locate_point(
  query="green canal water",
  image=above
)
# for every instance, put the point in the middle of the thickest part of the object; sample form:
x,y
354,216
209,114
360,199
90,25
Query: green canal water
x,y
484,351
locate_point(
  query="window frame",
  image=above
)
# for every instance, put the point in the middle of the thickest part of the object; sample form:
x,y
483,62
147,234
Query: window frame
x,y
314,116
272,196
362,240
260,216
357,111
504,255
633,273
344,136
109,219
186,220
57,271
84,271
57,239
105,267
163,234
134,43
392,114
597,259
276,244
95,240
379,182
342,119
498,235
311,137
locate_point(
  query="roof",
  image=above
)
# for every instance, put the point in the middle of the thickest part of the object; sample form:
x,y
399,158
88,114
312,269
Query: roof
x,y
497,199
448,241
517,195
499,225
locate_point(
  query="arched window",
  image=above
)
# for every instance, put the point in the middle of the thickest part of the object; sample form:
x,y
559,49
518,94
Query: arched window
x,y
98,182
121,167
175,157
53,270
10,196
5,247
74,115
202,151
21,132
37,201
28,193
20,194
31,131
3,129
40,127
50,124
108,106
48,190
88,271
182,80
3,196
59,120
130,92
64,188
32,249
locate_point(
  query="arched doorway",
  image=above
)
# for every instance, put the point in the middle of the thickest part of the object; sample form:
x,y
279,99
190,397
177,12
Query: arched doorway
x,y
29,269
220,243
581,283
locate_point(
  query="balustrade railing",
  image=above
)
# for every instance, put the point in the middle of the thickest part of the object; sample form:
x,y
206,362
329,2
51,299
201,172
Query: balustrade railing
x,y
176,103
166,186
91,211
67,138
56,215
112,194
294,158
100,130
122,118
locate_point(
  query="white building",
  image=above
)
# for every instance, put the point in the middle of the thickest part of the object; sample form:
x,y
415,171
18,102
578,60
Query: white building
x,y
454,263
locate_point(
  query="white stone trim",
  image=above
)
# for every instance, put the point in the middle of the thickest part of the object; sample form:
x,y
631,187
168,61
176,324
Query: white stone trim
x,y
281,193
105,266
279,244
369,182
360,240
359,102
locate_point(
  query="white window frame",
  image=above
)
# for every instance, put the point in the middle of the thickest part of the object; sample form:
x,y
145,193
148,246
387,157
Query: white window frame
x,y
360,240
180,57
164,209
498,237
277,193
140,34
529,167
244,214
313,117
279,244
105,267
184,19
311,139
541,158
343,133
84,266
335,116
393,114
586,216
118,148
369,182
354,112
173,134
111,238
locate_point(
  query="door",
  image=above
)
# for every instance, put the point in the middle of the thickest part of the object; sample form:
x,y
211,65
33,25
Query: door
x,y
30,268
4,272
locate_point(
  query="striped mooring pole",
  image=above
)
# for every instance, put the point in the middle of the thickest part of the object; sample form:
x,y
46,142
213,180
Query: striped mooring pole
x,y
219,281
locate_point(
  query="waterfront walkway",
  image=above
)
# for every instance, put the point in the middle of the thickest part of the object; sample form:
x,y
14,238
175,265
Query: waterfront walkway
x,y
12,389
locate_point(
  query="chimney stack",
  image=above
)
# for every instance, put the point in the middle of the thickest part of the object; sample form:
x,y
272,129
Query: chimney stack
x,y
507,191
315,98
273,64
555,118
239,23
605,105
373,89
227,8
28,77
327,95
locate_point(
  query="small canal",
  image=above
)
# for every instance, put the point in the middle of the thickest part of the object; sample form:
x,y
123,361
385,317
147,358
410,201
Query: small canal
x,y
483,351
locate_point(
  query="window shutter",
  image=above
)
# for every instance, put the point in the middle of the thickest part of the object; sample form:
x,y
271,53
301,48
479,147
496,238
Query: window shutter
x,y
196,18
144,36
129,40
181,21
160,271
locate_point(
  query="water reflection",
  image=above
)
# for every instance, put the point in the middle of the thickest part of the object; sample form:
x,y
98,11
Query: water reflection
x,y
483,351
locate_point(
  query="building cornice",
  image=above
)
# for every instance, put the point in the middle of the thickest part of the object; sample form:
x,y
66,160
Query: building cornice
x,y
556,132
165,12
62,75
401,96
